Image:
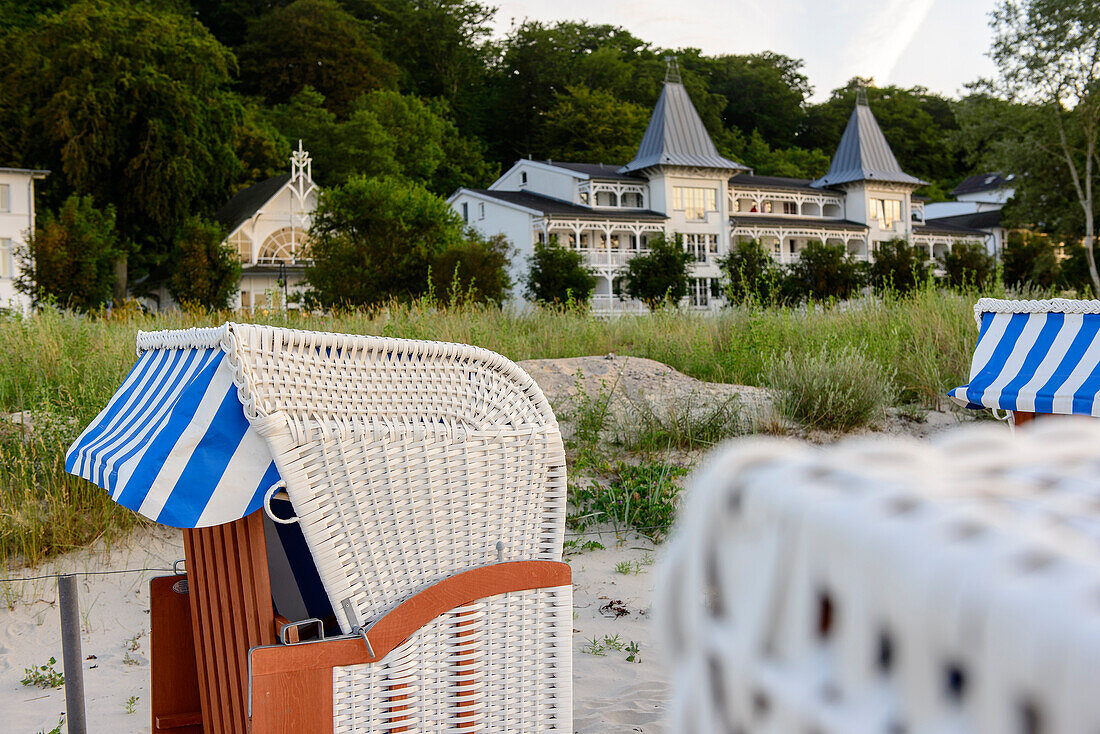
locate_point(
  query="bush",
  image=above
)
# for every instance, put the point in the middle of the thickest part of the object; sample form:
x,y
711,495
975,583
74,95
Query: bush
x,y
751,273
898,266
968,265
1030,259
474,271
1074,270
71,258
823,271
836,389
661,275
375,239
207,269
558,275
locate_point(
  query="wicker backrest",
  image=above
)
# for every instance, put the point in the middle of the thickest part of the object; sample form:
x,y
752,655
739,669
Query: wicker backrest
x,y
406,461
890,585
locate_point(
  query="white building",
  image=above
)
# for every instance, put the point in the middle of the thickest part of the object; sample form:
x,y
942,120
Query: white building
x,y
268,225
678,184
16,223
978,203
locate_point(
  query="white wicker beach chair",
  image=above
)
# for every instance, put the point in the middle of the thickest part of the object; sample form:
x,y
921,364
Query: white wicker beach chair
x,y
428,480
889,586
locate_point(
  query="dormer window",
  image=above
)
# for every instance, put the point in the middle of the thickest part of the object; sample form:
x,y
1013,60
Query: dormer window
x,y
523,178
584,197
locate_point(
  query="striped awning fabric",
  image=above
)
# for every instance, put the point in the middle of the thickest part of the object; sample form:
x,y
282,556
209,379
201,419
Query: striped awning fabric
x,y
174,443
1035,356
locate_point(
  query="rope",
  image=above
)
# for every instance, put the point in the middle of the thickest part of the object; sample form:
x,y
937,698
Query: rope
x,y
84,573
1053,305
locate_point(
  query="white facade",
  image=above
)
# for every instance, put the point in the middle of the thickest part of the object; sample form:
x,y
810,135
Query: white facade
x,y
607,213
269,225
16,223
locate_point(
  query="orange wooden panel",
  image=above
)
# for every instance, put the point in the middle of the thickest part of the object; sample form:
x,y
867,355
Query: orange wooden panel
x,y
292,684
1021,417
231,611
174,682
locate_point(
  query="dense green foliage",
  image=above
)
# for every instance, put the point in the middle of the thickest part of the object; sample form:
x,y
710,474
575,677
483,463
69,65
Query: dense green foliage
x,y
751,273
70,260
968,265
823,272
558,275
473,271
376,238
659,276
898,267
207,270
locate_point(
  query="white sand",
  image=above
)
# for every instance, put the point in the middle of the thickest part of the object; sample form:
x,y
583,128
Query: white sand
x,y
610,694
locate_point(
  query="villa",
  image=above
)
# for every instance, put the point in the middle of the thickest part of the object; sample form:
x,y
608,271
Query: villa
x,y
678,184
16,220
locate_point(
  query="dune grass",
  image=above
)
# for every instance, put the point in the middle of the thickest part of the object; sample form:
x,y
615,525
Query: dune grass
x,y
61,368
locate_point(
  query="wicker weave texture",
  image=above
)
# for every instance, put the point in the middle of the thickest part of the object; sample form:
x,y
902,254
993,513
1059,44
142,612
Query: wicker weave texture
x,y
888,586
406,461
462,672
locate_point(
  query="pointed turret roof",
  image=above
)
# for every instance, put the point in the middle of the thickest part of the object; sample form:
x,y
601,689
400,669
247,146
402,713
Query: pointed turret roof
x,y
864,154
676,136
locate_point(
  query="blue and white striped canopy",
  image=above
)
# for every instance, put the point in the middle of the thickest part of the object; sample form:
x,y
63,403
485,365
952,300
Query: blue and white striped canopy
x,y
174,443
1035,356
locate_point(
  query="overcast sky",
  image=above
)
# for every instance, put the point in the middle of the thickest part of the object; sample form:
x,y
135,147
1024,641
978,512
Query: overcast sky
x,y
940,44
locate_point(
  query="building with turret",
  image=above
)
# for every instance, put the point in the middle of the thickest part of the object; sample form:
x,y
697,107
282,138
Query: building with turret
x,y
679,184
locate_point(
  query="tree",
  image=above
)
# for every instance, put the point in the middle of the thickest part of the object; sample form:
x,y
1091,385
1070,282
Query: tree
x,y
898,266
763,92
313,43
751,273
207,269
968,265
128,105
373,239
557,275
1029,259
71,258
475,270
592,125
1047,54
661,275
821,272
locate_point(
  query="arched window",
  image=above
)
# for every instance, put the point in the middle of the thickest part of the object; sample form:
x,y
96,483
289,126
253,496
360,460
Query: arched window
x,y
286,245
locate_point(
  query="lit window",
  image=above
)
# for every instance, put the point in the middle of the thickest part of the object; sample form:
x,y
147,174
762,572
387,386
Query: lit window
x,y
7,267
767,207
5,197
885,211
694,202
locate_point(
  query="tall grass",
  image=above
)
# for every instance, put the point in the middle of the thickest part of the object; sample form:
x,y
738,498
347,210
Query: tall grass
x,y
836,389
65,366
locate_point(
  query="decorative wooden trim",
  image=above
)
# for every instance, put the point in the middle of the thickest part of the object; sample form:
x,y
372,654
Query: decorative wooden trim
x,y
292,684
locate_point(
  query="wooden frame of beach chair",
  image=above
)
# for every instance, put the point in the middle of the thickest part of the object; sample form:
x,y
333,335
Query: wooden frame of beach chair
x,y
429,483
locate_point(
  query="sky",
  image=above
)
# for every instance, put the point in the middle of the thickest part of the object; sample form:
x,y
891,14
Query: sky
x,y
938,44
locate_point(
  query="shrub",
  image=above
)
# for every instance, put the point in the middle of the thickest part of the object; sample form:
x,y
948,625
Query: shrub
x,y
687,423
836,389
898,266
660,275
1029,259
968,265
375,239
751,273
474,271
71,258
1074,270
558,275
207,269
823,271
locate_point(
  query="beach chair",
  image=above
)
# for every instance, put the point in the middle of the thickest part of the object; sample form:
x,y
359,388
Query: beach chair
x,y
1035,358
426,482
883,585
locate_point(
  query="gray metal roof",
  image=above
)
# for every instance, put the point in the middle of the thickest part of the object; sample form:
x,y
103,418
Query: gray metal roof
x,y
982,182
34,172
757,220
676,136
749,181
558,208
940,226
985,221
598,171
864,155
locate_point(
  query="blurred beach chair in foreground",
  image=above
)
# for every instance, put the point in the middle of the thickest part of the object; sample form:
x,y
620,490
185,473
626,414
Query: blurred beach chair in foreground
x,y
890,586
374,532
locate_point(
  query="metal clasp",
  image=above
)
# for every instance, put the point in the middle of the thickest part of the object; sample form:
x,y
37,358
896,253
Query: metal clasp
x,y
356,628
